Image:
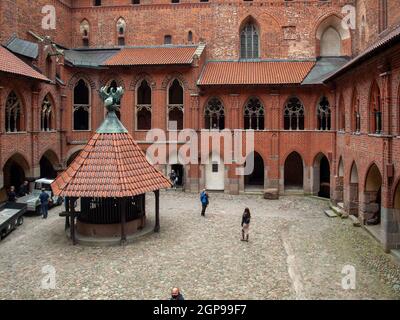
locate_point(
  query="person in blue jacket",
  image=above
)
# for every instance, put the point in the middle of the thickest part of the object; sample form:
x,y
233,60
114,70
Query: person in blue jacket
x,y
44,203
204,198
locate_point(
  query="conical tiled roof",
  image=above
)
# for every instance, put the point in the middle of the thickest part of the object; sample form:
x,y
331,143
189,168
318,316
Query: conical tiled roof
x,y
111,165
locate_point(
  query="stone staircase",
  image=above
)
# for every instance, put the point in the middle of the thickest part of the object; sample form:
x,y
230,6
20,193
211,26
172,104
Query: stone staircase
x,y
338,211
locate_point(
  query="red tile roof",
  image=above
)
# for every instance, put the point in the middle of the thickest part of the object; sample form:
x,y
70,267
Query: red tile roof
x,y
153,56
255,73
385,41
10,63
111,165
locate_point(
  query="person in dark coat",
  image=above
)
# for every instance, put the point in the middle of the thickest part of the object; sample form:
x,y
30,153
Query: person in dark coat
x,y
24,189
246,224
204,198
173,177
12,195
44,203
176,294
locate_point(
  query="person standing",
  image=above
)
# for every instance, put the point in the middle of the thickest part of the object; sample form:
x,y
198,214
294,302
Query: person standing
x,y
173,178
24,189
246,224
204,198
44,203
12,195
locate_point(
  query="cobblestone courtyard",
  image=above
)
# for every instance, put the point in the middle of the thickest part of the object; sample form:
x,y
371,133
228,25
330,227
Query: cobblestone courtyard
x,y
295,252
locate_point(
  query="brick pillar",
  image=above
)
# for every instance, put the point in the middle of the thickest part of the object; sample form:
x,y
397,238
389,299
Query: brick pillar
x,y
235,116
35,128
234,180
63,129
386,80
159,111
193,177
338,189
2,129
274,122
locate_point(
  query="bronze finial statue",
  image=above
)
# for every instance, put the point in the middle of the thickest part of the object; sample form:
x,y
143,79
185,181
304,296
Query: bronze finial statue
x,y
111,97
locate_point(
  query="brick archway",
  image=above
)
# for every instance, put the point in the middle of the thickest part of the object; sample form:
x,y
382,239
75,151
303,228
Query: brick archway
x,y
372,196
294,172
321,176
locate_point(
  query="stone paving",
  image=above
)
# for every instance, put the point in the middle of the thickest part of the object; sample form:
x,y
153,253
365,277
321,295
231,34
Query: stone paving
x,y
295,252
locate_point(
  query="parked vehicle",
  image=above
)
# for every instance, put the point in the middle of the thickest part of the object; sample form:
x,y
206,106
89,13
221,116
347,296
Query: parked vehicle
x,y
32,200
11,216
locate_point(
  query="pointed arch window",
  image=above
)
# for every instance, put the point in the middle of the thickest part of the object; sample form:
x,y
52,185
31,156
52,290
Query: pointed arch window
x,y
254,114
324,114
121,30
215,115
356,115
14,115
113,86
85,30
81,112
175,106
143,107
294,115
249,42
375,111
342,115
46,115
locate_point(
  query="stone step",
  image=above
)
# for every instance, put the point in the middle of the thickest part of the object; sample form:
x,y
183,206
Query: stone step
x,y
341,205
337,210
354,219
330,213
396,254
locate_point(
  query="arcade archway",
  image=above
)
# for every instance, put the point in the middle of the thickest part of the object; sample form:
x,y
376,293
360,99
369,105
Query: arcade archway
x,y
294,172
372,196
47,165
321,176
256,178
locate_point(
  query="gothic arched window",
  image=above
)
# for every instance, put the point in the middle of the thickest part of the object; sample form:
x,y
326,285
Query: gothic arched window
x,y
81,112
175,106
249,42
214,115
324,114
254,115
143,107
14,115
113,86
46,115
294,115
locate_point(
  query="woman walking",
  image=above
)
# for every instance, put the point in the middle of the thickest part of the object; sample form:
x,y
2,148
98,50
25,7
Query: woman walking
x,y
246,224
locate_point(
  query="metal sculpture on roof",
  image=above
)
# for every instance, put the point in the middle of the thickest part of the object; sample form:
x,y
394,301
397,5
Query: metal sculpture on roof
x,y
111,97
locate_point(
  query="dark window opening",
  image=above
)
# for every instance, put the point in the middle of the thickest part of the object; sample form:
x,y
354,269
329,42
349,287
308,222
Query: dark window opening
x,y
294,115
215,115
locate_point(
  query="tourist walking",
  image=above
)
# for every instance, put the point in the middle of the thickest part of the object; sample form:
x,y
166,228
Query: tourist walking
x,y
246,224
44,203
204,198
12,195
176,294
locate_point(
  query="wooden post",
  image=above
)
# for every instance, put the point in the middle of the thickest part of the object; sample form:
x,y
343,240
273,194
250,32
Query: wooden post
x,y
72,221
157,227
123,220
68,213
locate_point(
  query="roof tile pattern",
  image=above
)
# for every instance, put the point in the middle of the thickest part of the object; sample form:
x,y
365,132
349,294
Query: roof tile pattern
x,y
111,165
12,64
255,73
153,56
